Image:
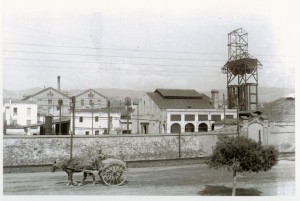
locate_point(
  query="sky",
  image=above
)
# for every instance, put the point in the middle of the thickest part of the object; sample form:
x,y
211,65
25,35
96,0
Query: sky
x,y
143,45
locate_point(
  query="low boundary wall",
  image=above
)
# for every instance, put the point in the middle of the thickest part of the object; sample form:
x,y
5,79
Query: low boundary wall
x,y
44,150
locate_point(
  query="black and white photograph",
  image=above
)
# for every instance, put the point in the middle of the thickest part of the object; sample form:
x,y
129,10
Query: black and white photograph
x,y
122,99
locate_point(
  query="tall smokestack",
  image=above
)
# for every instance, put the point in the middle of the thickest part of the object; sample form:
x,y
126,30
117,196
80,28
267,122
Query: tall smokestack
x,y
58,83
215,98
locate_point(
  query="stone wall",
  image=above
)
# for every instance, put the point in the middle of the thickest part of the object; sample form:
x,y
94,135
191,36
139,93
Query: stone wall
x,y
43,150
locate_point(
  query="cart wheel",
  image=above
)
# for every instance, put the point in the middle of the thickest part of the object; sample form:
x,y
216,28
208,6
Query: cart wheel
x,y
114,175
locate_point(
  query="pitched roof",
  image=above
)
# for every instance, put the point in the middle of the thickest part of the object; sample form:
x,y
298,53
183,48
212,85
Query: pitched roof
x,y
178,93
92,91
43,90
180,99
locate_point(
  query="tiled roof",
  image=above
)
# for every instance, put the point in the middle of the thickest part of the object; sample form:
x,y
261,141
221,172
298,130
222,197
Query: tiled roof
x,y
178,93
180,99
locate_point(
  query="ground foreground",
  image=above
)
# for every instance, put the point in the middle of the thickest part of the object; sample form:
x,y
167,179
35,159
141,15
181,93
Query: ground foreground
x,y
189,180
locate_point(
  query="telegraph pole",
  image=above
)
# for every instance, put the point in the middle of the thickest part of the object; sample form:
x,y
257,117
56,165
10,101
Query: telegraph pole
x,y
60,102
237,117
138,119
73,127
92,118
224,110
137,122
128,103
108,116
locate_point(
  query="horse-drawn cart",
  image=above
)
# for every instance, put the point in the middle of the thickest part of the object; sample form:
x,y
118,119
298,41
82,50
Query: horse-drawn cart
x,y
112,172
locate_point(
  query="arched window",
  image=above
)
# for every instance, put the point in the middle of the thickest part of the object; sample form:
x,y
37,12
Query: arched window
x,y
202,127
189,127
175,128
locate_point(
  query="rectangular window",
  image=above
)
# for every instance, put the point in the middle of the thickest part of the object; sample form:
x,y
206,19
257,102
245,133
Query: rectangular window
x,y
28,112
82,102
87,132
202,117
80,119
96,132
229,116
28,122
96,119
175,117
189,117
90,102
15,111
49,101
216,117
99,103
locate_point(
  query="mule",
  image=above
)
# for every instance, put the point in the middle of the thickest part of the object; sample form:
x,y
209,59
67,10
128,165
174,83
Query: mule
x,y
73,166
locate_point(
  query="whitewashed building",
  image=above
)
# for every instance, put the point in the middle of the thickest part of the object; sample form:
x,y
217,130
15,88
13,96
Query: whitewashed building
x,y
95,122
20,113
47,102
177,111
90,99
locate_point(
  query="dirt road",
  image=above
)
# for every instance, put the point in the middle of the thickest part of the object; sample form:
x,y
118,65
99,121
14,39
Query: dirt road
x,y
190,180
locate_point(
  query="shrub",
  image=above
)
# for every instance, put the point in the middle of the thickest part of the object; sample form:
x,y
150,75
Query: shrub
x,y
241,154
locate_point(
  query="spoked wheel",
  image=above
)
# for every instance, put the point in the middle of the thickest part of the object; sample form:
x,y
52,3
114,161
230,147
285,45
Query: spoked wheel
x,y
114,175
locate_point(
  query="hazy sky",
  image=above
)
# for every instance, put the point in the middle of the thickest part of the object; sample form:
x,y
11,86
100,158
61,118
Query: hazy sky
x,y
143,45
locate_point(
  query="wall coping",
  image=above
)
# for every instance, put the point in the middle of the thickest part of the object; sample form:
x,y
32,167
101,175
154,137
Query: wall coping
x,y
114,135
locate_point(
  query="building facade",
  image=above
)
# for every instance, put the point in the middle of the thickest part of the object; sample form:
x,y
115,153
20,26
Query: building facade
x,y
47,101
20,113
91,99
95,122
176,111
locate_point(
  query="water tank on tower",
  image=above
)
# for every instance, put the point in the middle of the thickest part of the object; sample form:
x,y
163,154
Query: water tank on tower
x,y
242,74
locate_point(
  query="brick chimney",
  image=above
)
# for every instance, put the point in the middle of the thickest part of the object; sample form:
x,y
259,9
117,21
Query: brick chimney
x,y
58,83
215,98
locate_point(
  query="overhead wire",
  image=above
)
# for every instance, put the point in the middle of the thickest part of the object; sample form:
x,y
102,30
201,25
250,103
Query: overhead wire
x,y
89,41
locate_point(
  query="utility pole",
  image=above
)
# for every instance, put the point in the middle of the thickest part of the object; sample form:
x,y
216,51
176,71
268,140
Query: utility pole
x,y
60,102
127,121
224,110
137,122
92,118
108,116
237,117
73,126
127,103
138,119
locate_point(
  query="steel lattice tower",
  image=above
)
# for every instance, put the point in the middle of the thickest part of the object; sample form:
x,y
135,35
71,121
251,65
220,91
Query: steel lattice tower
x,y
242,75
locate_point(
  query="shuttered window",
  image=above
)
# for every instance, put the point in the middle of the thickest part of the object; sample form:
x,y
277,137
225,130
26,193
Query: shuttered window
x,y
175,117
216,117
189,117
203,117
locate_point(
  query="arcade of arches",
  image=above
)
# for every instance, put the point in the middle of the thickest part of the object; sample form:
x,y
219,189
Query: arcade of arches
x,y
176,128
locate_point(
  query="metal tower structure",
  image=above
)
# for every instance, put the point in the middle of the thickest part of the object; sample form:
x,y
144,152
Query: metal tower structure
x,y
241,71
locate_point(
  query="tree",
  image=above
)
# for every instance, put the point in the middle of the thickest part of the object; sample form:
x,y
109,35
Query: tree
x,y
241,154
